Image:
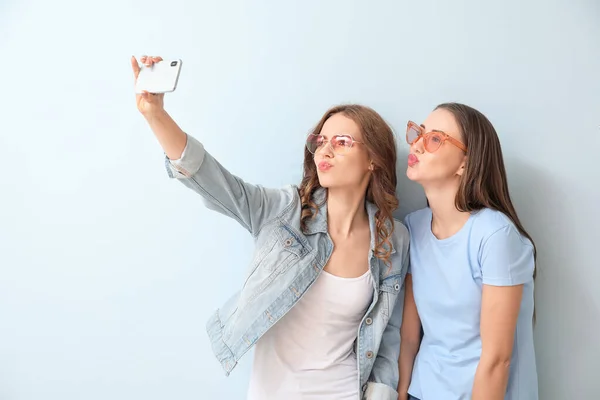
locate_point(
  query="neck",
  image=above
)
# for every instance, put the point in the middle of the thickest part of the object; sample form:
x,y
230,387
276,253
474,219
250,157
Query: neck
x,y
446,219
346,212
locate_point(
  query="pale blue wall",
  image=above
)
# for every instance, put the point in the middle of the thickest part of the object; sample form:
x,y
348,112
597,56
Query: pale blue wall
x,y
108,270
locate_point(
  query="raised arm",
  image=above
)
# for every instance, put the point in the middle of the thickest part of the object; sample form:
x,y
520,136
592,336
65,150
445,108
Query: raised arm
x,y
188,161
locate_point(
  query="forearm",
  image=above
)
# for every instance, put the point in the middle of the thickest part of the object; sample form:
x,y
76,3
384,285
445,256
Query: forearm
x,y
170,136
408,352
491,379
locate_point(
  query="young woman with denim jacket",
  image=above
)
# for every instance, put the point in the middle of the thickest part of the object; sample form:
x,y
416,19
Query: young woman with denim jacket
x,y
320,298
469,290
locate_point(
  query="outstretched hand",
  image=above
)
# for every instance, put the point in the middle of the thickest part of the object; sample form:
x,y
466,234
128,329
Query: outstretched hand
x,y
147,103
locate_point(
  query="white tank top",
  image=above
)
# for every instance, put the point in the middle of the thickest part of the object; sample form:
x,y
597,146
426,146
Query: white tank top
x,y
309,354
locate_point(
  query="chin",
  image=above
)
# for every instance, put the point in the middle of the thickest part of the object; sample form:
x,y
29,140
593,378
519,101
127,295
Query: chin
x,y
411,174
329,181
325,182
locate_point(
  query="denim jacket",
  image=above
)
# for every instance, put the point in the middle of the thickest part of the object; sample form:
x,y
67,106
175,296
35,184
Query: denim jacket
x,y
286,263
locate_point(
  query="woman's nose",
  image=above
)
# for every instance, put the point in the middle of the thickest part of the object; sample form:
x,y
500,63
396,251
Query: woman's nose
x,y
326,149
417,145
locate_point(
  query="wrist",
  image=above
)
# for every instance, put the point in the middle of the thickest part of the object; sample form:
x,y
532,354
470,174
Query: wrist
x,y
402,392
153,115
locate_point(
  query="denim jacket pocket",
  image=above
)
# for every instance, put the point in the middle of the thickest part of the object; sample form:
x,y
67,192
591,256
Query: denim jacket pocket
x,y
292,241
389,290
282,248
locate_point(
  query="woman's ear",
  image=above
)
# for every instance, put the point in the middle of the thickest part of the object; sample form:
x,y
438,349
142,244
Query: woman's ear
x,y
462,167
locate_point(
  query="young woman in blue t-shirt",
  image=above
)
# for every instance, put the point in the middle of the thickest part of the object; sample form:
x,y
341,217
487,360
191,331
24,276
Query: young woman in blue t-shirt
x,y
467,330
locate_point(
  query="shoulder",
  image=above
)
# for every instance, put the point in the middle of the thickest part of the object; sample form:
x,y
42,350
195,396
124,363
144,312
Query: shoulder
x,y
491,224
282,198
505,256
489,220
290,194
400,243
280,204
401,235
418,218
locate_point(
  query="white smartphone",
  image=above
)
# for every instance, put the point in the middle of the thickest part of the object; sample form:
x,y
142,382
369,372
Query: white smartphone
x,y
161,77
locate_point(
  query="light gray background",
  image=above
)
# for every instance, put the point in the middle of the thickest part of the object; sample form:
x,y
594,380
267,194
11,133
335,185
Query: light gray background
x,y
109,270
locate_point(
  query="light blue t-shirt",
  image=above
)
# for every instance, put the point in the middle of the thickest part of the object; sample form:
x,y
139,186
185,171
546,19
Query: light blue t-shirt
x,y
448,276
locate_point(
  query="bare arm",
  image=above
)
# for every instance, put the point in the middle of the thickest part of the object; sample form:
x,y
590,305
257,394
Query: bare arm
x,y
499,314
188,161
507,263
410,339
171,138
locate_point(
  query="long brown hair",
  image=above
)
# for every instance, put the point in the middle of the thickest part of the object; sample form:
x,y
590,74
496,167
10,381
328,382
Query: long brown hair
x,y
484,183
379,141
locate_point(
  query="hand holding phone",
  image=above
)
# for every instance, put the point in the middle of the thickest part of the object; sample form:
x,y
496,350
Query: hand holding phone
x,y
158,76
149,103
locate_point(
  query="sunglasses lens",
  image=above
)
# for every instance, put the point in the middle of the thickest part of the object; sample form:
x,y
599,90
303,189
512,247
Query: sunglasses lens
x,y
313,142
341,144
433,142
412,133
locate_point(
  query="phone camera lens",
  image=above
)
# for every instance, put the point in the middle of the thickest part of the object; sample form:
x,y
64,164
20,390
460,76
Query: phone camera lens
x,y
173,63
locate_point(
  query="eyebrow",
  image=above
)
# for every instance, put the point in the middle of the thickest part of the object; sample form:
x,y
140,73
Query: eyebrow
x,y
433,130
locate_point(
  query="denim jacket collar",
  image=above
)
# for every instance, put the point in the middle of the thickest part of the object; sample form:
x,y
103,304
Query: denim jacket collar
x,y
318,224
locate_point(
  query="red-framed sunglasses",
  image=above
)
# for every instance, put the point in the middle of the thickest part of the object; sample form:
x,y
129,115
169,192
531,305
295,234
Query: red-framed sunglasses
x,y
433,140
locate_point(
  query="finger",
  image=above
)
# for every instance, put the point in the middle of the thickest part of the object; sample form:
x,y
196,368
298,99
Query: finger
x,y
149,61
135,66
143,59
149,97
157,59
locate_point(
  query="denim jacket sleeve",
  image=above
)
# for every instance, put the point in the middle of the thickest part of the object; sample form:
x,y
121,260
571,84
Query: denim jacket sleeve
x,y
383,382
251,205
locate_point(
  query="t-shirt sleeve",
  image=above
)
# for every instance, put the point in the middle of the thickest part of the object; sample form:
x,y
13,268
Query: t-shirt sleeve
x,y
507,258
